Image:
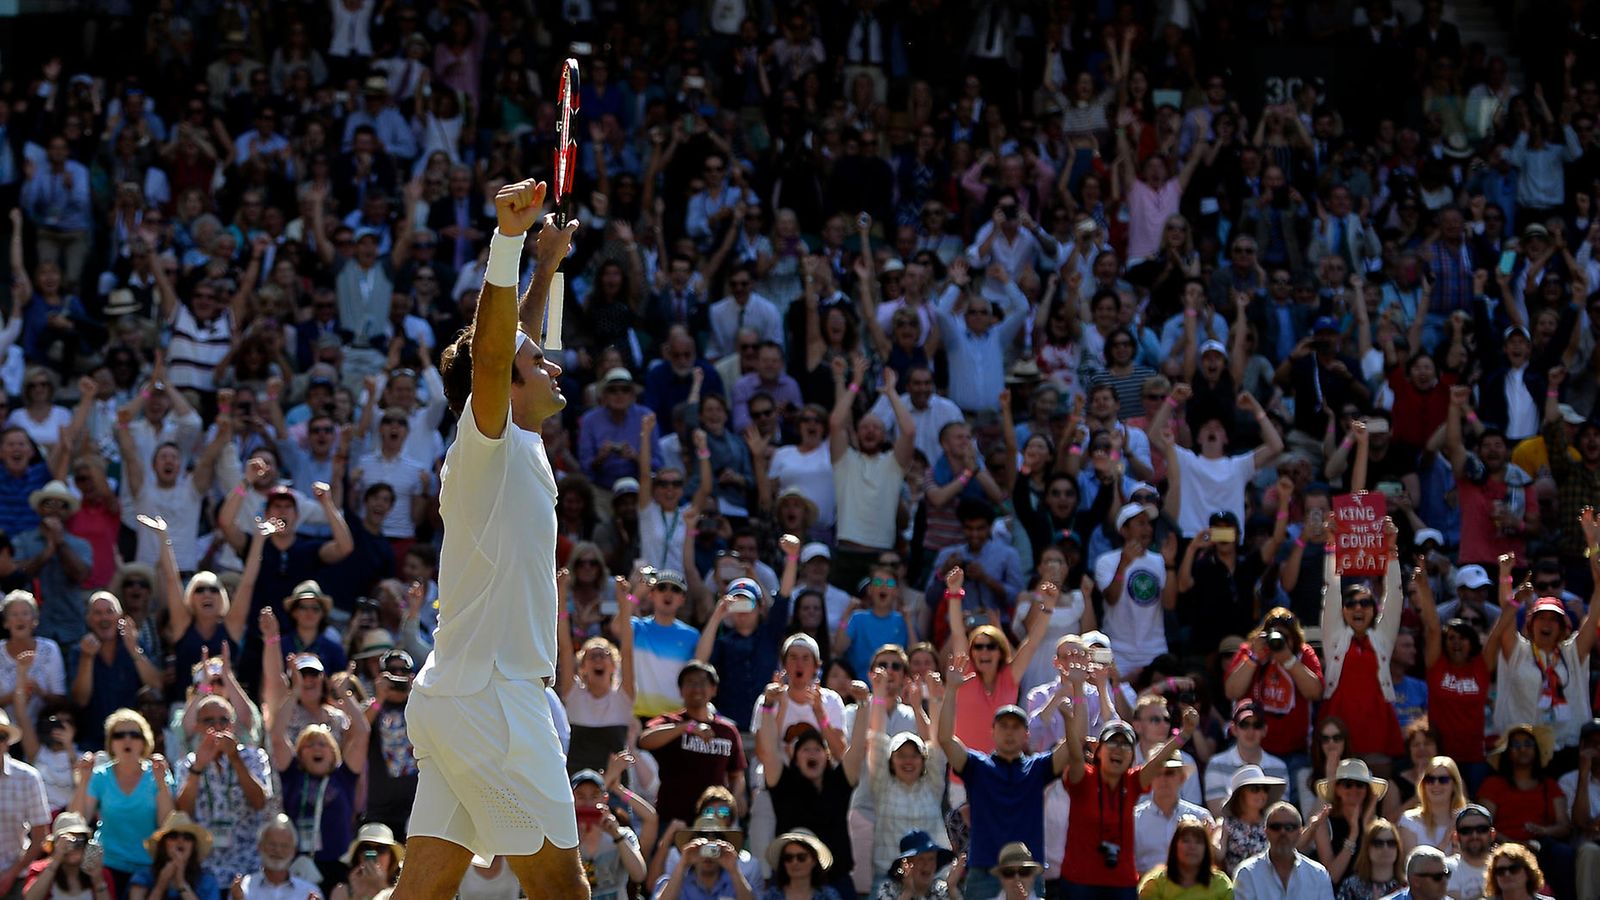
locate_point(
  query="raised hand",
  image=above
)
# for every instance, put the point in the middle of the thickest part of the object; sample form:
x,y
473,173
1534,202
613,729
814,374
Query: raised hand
x,y
954,579
516,206
790,545
267,623
157,524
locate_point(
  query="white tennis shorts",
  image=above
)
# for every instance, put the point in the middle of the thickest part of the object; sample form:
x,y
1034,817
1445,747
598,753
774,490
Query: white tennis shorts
x,y
491,774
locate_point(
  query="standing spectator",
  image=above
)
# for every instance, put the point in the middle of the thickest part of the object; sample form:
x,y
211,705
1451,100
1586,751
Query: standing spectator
x,y
225,786
695,747
109,666
1358,640
1249,729
24,817
392,761
976,345
866,479
1138,586
1158,817
56,562
63,865
742,309
663,645
609,436
56,197
129,796
1243,830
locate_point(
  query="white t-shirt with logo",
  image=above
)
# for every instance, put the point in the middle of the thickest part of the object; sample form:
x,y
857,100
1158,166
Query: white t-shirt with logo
x,y
1134,623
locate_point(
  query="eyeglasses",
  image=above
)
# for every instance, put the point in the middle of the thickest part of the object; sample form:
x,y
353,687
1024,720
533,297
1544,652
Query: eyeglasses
x,y
1432,876
984,647
1385,842
762,413
1331,738
669,482
796,857
1282,826
1547,587
1367,602
1470,830
749,348
1438,779
893,665
1509,869
1251,725
127,735
884,582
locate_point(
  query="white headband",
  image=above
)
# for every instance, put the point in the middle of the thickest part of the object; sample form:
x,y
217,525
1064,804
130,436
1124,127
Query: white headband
x,y
522,338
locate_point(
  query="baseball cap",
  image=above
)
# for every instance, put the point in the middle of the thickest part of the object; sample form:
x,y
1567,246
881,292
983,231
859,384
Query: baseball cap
x,y
1425,535
1535,230
1011,709
1096,638
309,661
1213,346
1570,415
1473,577
590,776
1325,323
670,577
1129,511
1473,809
618,375
745,588
1118,728
802,640
814,550
1245,709
624,485
1515,330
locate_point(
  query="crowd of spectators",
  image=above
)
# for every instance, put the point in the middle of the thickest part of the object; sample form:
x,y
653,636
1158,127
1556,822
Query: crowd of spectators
x,y
961,396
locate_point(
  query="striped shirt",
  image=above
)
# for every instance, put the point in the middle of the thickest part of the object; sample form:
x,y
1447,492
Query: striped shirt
x,y
22,805
195,350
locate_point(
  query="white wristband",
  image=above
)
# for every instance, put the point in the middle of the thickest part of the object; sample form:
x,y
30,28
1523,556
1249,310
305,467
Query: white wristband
x,y
505,260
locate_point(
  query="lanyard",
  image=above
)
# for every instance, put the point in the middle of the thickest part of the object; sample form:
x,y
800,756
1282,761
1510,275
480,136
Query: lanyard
x,y
666,532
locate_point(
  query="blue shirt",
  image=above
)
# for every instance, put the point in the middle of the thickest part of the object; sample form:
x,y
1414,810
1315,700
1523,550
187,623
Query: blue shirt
x,y
659,654
16,514
61,603
59,201
597,428
868,631
977,361
126,819
1006,804
745,662
204,886
999,561
1410,699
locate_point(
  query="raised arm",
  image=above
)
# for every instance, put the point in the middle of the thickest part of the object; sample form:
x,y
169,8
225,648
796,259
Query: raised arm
x,y
238,616
494,339
1583,640
550,247
1428,611
839,420
905,439
954,751
178,615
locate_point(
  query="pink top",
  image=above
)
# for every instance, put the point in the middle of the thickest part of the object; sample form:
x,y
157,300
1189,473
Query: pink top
x,y
975,708
1148,211
98,525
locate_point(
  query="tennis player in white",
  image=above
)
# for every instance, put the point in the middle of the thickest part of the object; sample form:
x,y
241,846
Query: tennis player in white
x,y
493,778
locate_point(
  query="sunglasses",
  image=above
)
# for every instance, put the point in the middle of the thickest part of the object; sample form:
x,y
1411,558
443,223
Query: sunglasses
x,y
893,665
323,429
1510,869
1367,602
127,735
807,420
1438,779
1385,842
1013,873
762,413
1471,830
1352,783
1282,826
1251,724
1331,738
884,582
984,647
135,583
796,857
669,482
207,589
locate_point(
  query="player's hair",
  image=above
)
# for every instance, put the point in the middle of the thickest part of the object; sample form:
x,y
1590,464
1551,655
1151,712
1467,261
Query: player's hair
x,y
455,370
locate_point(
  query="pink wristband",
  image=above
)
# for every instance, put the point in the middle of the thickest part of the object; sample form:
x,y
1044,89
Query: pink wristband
x,y
1552,393
273,641
1299,542
1472,417
854,388
1283,514
239,490
879,701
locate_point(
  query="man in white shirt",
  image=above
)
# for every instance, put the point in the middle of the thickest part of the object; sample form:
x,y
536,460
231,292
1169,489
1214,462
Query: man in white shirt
x,y
1475,836
1282,872
1249,727
276,881
1137,590
929,411
411,480
1211,481
1156,816
1152,723
492,777
742,308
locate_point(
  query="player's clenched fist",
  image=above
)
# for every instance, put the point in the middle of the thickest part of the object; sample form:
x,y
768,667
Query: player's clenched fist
x,y
516,206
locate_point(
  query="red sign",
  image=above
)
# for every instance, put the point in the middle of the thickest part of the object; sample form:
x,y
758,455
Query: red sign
x,y
1359,542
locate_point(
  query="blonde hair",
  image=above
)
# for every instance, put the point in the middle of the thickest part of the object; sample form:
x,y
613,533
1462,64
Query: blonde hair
x,y
24,597
206,578
317,731
999,637
1458,792
600,643
126,716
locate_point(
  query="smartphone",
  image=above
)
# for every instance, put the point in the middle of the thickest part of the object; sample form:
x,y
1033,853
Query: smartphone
x,y
1100,656
688,121
1377,426
1224,535
694,83
1390,489
581,48
1508,261
742,606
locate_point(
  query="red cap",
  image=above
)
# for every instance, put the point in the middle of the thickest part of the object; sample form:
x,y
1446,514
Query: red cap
x,y
281,490
1549,605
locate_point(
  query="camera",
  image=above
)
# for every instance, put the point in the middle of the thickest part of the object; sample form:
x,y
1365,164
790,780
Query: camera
x,y
1010,212
1276,641
710,851
863,221
1110,853
1187,698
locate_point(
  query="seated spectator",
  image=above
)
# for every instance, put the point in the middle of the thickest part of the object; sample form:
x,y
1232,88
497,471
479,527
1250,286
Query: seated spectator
x,y
1376,871
55,561
373,859
1441,795
1188,865
275,847
315,768
703,875
1514,874
799,860
1524,797
177,851
1475,839
64,869
1157,818
1243,829
1353,796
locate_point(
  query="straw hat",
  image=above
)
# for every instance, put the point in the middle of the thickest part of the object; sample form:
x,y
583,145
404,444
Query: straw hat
x,y
374,833
373,642
1015,855
54,490
67,823
798,836
308,590
1541,734
180,823
710,826
1253,775
1351,770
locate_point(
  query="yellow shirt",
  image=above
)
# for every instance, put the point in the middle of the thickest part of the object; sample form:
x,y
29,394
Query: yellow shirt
x,y
1155,886
1532,456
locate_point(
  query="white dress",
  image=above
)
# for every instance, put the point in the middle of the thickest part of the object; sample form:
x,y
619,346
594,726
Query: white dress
x,y
492,773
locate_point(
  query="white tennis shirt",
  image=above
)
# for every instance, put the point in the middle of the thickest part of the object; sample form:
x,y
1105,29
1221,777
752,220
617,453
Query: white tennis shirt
x,y
497,581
